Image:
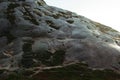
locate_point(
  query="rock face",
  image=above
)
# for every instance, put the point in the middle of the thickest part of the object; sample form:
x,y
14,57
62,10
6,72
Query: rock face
x,y
33,34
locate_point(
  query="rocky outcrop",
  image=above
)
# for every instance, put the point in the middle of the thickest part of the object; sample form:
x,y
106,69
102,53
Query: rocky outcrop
x,y
33,34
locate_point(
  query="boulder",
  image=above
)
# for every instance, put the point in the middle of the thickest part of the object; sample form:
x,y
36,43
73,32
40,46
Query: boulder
x,y
34,34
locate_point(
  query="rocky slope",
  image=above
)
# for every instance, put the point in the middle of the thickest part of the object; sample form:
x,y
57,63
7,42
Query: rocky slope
x,y
35,36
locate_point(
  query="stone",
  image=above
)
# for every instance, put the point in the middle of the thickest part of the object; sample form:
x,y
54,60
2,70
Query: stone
x,y
34,34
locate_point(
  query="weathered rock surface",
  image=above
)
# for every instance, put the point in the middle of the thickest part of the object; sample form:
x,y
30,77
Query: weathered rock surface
x,y
33,34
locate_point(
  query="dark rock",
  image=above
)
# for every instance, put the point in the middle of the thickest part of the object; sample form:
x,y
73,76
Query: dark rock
x,y
33,34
